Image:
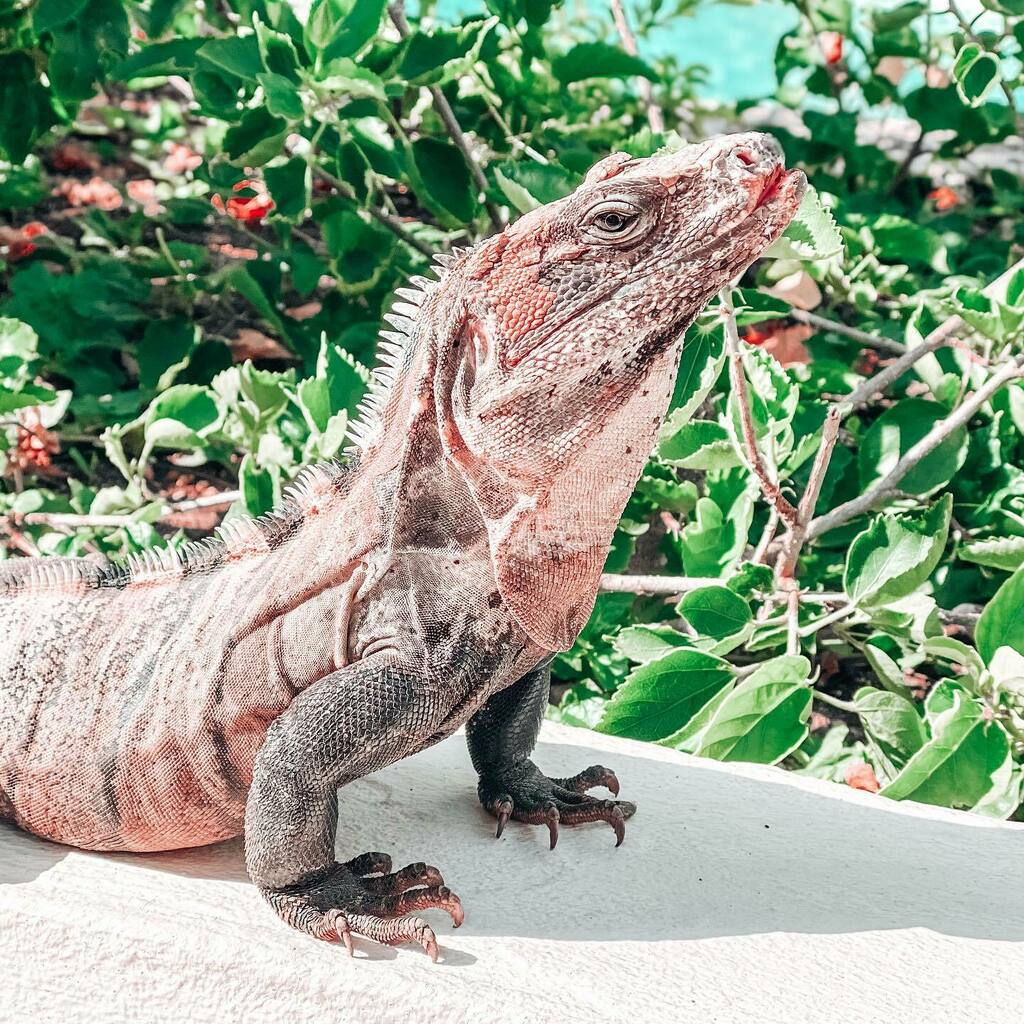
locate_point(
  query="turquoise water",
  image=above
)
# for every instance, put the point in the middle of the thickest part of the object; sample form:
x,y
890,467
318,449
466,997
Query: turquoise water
x,y
736,42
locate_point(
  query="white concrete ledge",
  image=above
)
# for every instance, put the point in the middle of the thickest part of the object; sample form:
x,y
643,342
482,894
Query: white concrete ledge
x,y
741,894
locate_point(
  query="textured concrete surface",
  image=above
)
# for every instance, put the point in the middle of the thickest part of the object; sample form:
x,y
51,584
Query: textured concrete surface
x,y
741,894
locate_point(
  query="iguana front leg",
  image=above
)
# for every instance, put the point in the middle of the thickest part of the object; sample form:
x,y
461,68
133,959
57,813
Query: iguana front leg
x,y
348,724
501,738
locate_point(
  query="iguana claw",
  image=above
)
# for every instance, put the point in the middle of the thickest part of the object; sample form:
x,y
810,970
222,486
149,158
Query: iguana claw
x,y
364,897
524,793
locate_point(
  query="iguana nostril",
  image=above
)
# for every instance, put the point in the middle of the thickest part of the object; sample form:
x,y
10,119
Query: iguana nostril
x,y
745,158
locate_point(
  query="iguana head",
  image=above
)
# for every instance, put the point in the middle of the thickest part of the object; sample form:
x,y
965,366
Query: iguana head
x,y
550,394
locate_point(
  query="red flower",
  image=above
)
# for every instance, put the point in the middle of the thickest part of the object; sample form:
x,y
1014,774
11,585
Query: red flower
x,y
945,198
18,241
862,776
253,209
831,47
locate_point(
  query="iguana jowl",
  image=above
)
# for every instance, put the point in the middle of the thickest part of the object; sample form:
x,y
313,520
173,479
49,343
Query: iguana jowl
x,y
184,698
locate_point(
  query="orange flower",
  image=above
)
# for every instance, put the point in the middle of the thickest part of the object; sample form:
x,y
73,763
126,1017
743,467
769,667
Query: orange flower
x,y
862,776
94,192
253,209
944,197
143,191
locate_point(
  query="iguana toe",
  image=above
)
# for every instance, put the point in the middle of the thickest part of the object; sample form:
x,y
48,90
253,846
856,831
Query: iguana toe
x,y
356,898
522,792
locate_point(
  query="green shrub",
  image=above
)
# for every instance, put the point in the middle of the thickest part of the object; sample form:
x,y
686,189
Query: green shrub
x,y
188,185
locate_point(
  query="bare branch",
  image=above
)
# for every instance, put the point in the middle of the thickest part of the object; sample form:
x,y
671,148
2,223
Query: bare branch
x,y
671,586
794,540
444,111
823,323
887,486
653,111
73,521
769,487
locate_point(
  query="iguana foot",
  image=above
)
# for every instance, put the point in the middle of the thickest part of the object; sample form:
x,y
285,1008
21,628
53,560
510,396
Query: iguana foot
x,y
364,897
522,792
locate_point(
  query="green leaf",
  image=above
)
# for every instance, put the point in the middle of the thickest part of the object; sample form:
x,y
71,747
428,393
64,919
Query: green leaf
x,y
340,28
443,171
238,55
715,611
700,365
84,45
659,698
1006,553
290,186
180,417
1001,623
277,53
50,14
516,194
648,643
946,648
428,53
599,60
893,727
811,234
957,767
896,554
257,138
282,98
165,350
711,541
25,107
765,717
975,72
895,432
257,486
172,58
699,445
25,396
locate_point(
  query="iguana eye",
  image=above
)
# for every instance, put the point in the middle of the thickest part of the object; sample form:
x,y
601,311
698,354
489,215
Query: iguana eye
x,y
611,221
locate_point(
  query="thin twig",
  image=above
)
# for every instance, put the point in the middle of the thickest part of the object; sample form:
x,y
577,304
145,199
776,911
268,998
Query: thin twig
x,y
877,341
444,111
71,520
786,510
652,110
941,336
794,540
670,586
887,486
392,223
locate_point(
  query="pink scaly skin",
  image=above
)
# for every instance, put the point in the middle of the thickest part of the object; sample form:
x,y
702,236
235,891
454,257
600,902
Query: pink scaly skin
x,y
236,686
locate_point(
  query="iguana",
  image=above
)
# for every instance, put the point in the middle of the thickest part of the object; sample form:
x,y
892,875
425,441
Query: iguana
x,y
234,685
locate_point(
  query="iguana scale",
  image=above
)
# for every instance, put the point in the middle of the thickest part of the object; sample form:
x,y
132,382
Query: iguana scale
x,y
235,685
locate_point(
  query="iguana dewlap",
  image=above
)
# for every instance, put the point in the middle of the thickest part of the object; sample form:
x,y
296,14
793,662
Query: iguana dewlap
x,y
237,684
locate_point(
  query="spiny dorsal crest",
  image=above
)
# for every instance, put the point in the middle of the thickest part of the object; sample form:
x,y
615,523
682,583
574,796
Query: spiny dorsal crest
x,y
395,347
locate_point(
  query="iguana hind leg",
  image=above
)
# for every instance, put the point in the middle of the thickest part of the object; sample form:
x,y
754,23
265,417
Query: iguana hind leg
x,y
501,737
348,724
